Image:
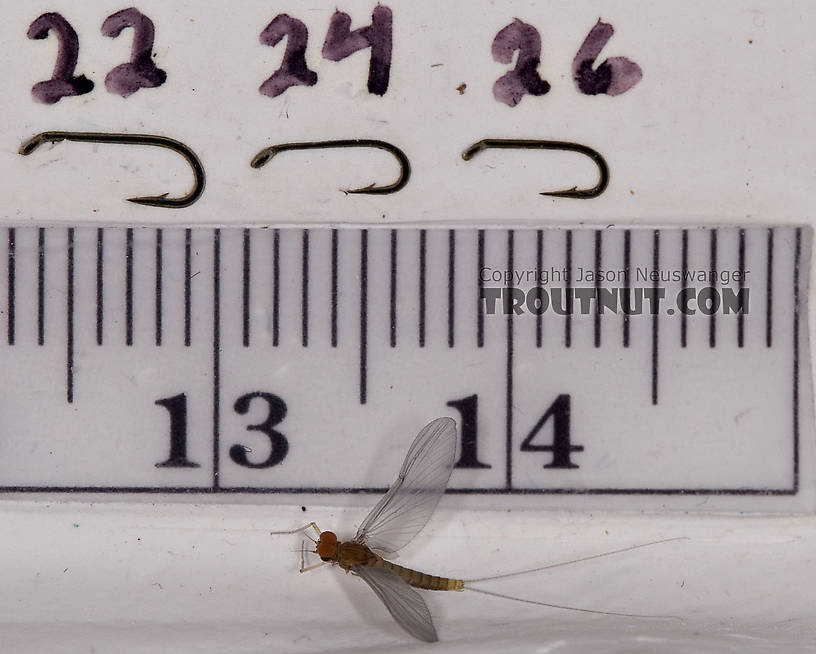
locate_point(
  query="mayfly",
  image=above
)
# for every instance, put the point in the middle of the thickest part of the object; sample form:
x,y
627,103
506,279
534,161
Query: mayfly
x,y
394,521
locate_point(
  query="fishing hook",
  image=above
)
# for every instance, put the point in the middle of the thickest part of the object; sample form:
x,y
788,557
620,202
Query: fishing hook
x,y
568,146
266,154
133,139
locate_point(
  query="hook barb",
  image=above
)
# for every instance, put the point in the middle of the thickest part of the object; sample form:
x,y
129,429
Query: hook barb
x,y
160,200
568,146
263,157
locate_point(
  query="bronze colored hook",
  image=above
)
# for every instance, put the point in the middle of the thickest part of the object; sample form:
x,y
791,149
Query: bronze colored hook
x,y
574,192
133,139
266,154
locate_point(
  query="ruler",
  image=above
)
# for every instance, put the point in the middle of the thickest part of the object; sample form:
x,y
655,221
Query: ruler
x,y
626,365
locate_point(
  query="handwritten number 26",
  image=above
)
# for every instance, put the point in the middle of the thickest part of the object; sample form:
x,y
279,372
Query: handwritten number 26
x,y
614,76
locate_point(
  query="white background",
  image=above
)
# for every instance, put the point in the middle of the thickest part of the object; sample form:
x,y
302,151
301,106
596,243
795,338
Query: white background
x,y
720,130
195,579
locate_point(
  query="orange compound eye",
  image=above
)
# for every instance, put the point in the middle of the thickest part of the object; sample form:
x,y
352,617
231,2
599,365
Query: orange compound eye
x,y
327,545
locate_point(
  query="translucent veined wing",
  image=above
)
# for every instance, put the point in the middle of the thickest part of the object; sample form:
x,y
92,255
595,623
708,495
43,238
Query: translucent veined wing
x,y
402,601
412,498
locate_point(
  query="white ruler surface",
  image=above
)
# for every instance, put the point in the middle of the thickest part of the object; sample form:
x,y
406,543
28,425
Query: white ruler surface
x,y
301,361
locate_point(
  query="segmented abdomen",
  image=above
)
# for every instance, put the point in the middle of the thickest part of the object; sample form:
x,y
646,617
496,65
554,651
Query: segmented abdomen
x,y
422,580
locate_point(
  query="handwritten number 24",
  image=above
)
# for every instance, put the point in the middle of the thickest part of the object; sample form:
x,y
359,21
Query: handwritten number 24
x,y
341,42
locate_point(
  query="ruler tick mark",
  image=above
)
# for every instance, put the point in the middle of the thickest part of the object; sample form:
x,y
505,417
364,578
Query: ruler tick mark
x,y
12,269
304,288
393,312
627,284
41,286
568,316
796,309
741,268
246,284
712,326
480,246
363,315
188,280
334,291
598,246
216,350
275,287
769,289
451,285
684,269
159,275
422,247
69,310
656,315
539,265
509,378
100,285
129,286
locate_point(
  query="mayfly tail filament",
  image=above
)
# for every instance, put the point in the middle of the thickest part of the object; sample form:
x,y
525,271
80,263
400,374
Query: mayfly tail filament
x,y
580,560
570,608
468,583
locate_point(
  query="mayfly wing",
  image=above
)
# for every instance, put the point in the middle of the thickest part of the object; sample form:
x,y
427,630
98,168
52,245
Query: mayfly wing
x,y
412,498
403,602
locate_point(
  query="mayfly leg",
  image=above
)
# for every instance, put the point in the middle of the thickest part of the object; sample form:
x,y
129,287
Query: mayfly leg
x,y
313,567
298,530
303,566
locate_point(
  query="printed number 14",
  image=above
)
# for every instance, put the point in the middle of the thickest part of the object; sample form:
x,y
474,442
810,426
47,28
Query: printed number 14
x,y
561,446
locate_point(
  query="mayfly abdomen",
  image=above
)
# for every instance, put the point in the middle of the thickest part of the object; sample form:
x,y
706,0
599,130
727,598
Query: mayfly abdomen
x,y
422,580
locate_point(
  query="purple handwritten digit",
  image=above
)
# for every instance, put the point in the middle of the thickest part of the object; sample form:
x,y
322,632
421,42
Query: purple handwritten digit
x,y
62,82
140,72
293,70
341,42
614,76
524,79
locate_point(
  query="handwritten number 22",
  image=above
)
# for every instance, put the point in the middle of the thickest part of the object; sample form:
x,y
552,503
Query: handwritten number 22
x,y
125,79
